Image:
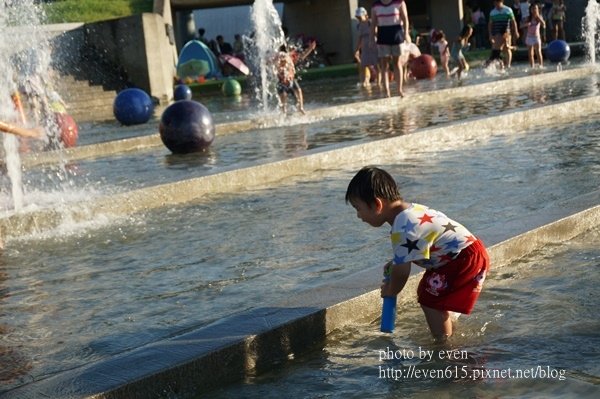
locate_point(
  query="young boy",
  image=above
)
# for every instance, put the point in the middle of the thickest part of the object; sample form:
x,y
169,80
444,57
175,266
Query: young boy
x,y
286,75
455,261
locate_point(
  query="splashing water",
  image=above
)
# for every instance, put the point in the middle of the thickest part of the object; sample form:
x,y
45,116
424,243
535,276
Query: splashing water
x,y
24,64
590,28
265,41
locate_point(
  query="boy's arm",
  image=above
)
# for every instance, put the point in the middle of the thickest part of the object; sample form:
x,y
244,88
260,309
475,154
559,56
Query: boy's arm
x,y
311,46
398,278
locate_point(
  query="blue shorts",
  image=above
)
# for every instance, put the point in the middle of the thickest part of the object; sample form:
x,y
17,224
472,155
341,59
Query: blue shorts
x,y
390,35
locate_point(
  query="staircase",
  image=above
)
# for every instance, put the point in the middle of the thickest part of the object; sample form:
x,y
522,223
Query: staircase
x,y
86,101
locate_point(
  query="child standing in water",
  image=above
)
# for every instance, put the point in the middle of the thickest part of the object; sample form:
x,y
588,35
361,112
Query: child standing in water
x,y
442,45
455,261
460,44
286,75
533,40
366,50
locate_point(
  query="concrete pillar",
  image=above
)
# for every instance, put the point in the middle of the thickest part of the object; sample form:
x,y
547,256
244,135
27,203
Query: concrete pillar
x,y
331,22
163,8
159,56
185,27
140,45
447,15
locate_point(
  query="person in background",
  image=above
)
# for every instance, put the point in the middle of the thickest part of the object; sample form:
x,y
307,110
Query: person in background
x,y
390,27
201,37
533,40
516,9
441,43
366,49
525,5
222,47
456,51
547,16
479,28
502,21
559,11
238,46
285,64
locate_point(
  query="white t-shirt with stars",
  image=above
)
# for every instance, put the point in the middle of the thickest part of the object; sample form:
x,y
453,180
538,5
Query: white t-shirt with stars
x,y
427,237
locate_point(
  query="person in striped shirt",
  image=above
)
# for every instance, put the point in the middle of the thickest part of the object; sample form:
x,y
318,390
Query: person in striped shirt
x,y
501,21
390,28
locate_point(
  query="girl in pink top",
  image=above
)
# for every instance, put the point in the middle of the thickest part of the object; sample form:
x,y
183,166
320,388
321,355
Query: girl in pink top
x,y
534,39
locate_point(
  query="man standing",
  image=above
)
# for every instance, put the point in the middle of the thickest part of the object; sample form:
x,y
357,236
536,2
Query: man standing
x,y
502,20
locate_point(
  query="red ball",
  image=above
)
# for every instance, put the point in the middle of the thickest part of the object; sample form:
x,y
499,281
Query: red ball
x,y
424,67
69,131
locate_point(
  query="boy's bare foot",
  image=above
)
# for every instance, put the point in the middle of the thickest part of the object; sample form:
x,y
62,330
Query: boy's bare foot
x,y
401,94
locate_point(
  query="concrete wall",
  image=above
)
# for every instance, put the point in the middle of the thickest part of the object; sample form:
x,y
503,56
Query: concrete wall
x,y
332,22
447,15
141,46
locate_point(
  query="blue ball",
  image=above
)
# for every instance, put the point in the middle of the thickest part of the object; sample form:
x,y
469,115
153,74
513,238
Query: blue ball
x,y
558,51
182,92
133,107
186,126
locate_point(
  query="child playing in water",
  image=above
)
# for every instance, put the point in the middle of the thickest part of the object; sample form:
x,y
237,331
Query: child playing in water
x,y
442,45
460,44
286,75
533,40
455,261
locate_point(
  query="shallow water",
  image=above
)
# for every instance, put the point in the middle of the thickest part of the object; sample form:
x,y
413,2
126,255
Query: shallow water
x,y
339,91
127,171
118,284
533,333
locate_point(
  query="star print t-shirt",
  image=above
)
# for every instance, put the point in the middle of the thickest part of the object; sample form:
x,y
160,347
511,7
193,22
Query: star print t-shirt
x,y
427,237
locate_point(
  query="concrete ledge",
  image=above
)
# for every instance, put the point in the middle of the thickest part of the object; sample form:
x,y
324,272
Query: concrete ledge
x,y
371,107
340,156
249,343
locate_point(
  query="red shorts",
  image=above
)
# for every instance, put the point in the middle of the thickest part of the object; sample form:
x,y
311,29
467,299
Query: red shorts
x,y
455,286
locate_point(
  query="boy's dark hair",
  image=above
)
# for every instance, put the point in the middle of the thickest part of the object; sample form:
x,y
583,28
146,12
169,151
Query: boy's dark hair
x,y
370,183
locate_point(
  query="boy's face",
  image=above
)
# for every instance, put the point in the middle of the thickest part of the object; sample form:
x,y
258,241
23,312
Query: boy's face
x,y
369,213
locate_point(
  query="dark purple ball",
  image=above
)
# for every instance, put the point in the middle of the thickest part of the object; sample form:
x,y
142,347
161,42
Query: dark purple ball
x,y
186,126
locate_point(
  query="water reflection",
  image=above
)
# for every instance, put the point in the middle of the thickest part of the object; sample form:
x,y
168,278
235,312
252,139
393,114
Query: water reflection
x,y
14,364
527,320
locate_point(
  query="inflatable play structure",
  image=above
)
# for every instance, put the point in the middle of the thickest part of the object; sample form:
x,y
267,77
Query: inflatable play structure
x,y
197,59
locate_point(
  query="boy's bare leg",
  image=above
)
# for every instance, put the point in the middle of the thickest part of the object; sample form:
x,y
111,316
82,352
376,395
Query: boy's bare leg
x,y
283,100
300,98
439,322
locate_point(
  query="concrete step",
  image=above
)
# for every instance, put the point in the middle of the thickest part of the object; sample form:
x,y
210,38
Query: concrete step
x,y
85,101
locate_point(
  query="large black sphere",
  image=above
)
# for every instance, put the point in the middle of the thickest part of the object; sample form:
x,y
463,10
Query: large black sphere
x,y
186,126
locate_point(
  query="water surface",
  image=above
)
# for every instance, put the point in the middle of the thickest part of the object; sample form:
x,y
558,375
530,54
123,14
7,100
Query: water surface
x,y
112,285
533,333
